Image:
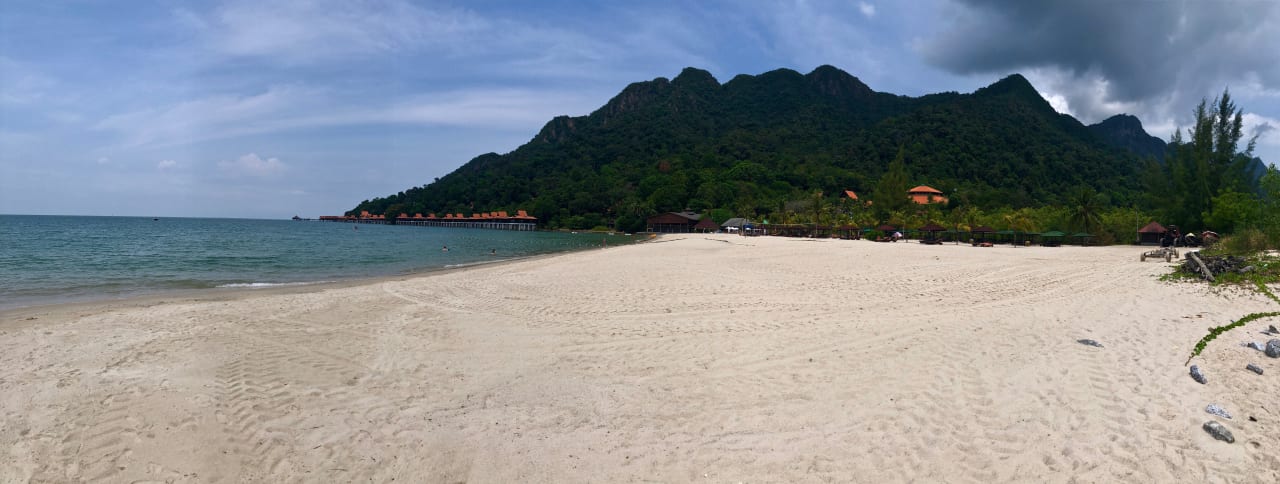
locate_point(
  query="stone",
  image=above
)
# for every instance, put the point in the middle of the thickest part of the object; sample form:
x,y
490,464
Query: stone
x,y
1256,345
1089,342
1273,348
1254,368
1219,432
1197,376
1272,329
1219,411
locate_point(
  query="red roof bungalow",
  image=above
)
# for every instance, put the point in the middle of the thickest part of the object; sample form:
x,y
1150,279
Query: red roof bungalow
x,y
926,195
1151,233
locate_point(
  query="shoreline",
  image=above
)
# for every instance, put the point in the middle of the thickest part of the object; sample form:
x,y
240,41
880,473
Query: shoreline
x,y
226,292
704,357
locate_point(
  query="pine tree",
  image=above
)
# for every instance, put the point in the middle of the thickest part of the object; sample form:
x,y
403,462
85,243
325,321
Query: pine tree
x,y
890,194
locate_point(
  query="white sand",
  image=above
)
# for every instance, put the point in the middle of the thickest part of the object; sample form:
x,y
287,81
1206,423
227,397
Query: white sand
x,y
694,358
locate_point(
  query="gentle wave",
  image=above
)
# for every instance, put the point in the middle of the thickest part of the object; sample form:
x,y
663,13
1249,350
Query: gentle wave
x,y
270,284
50,259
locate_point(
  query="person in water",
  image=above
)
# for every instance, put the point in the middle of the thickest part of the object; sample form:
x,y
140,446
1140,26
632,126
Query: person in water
x,y
445,249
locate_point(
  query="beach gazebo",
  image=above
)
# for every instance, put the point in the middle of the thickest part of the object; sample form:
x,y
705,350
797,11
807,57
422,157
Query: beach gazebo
x,y
1082,237
1052,238
1151,233
932,229
981,231
706,225
888,231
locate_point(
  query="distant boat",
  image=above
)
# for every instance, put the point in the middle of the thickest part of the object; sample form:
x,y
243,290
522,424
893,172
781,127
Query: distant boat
x,y
157,219
295,217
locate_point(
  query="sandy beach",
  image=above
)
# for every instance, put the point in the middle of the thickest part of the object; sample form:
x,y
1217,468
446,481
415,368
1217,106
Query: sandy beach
x,y
695,358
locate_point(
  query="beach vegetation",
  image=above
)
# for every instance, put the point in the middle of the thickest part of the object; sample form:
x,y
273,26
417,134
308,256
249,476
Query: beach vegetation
x,y
1208,180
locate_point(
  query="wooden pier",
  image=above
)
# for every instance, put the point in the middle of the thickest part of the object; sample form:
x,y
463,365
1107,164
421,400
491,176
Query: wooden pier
x,y
492,220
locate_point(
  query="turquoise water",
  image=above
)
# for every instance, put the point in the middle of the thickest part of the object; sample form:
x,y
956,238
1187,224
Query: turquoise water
x,y
48,259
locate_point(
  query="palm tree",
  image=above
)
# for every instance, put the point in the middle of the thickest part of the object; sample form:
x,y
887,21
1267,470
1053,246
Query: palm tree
x,y
1018,221
818,206
1086,208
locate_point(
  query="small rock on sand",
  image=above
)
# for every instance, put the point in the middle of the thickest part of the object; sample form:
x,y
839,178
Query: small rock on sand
x,y
1089,342
1216,410
1219,432
1273,348
1197,376
1254,368
1270,329
1256,345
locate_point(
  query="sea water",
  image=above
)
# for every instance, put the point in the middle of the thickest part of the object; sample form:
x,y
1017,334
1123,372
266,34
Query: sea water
x,y
52,259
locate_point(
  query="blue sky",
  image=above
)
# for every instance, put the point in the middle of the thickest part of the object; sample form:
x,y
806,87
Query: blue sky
x,y
269,109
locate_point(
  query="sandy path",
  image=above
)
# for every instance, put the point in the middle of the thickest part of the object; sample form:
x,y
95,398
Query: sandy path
x,y
697,358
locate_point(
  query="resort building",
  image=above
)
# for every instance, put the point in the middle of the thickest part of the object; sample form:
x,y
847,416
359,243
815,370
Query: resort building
x,y
925,195
673,222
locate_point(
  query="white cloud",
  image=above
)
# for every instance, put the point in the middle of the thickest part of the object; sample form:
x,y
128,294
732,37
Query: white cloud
x,y
166,164
868,10
211,117
104,160
314,30
1058,101
252,165
289,108
1267,129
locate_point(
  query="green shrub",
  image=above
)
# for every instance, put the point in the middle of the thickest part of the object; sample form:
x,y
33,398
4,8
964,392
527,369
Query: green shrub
x,y
1246,242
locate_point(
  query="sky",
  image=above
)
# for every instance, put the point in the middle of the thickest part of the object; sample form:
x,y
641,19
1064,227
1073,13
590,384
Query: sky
x,y
269,109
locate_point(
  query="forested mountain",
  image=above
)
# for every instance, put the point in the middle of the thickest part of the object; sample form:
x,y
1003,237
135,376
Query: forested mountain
x,y
751,144
1125,131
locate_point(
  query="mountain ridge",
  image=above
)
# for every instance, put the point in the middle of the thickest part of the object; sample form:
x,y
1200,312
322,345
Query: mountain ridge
x,y
750,144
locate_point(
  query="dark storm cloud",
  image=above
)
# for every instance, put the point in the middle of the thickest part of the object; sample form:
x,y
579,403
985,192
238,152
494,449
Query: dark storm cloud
x,y
1141,50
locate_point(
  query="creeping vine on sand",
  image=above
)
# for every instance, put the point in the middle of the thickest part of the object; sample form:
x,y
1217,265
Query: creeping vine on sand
x,y
1213,333
1260,283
